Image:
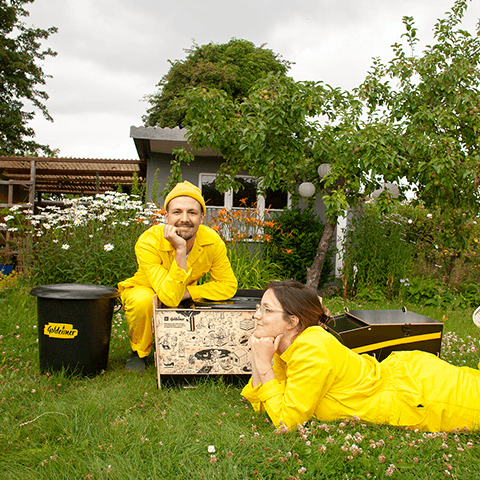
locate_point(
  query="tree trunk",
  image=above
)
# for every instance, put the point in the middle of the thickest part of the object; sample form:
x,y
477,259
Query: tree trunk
x,y
314,272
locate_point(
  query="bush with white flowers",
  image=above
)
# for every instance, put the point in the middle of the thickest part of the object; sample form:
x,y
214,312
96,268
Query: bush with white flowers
x,y
89,240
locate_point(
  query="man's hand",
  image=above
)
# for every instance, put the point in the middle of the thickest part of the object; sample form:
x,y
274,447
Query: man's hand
x,y
179,244
170,233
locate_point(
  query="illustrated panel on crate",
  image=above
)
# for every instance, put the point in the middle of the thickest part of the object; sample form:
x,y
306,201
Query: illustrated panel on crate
x,y
202,341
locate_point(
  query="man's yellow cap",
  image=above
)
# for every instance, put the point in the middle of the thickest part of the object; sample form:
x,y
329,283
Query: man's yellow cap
x,y
185,189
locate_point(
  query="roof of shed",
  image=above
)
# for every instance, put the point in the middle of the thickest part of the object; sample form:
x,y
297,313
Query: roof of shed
x,y
150,140
73,175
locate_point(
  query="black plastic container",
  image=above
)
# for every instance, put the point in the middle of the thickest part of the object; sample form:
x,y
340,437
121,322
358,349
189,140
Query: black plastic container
x,y
380,332
74,326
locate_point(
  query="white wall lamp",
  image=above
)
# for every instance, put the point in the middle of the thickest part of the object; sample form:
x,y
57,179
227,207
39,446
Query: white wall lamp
x,y
306,189
323,169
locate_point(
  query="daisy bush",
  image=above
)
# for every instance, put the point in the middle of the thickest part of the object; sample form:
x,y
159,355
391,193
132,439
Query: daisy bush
x,y
88,240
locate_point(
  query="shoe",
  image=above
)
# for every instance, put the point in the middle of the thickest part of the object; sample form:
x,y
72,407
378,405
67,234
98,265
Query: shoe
x,y
476,317
135,363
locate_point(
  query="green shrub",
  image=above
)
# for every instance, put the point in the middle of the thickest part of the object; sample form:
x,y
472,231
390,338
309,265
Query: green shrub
x,y
249,267
376,255
445,250
293,244
430,291
92,239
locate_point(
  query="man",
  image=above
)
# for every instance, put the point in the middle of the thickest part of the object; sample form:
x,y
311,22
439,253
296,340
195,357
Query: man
x,y
171,259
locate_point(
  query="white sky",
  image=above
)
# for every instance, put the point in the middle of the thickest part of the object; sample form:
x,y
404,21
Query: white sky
x,y
111,53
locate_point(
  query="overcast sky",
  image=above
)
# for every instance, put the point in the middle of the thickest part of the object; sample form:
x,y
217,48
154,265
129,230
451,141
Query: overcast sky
x,y
111,53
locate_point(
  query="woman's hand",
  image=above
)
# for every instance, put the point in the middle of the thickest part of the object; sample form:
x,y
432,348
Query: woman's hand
x,y
263,349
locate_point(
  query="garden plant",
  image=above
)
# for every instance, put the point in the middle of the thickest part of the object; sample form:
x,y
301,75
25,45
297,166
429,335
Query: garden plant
x,y
414,253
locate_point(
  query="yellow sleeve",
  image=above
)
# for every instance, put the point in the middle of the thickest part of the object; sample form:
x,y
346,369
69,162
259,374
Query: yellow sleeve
x,y
251,394
164,275
223,284
292,399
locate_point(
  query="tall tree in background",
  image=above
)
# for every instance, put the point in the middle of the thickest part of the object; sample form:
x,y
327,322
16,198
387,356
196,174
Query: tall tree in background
x,y
430,105
233,67
20,76
281,133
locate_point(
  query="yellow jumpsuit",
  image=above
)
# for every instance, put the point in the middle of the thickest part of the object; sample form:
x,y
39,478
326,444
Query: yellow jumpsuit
x,y
158,273
319,377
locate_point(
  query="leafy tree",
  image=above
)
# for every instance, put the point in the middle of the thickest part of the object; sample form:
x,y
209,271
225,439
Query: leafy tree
x,y
423,128
276,134
430,105
20,76
233,67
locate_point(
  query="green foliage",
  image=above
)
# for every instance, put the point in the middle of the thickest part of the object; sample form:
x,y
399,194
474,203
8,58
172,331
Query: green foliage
x,y
428,104
414,118
91,240
446,246
20,75
412,253
431,291
138,188
376,254
243,231
249,265
293,242
275,134
232,67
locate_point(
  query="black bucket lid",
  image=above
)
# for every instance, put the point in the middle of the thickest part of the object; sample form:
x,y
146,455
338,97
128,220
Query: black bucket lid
x,y
74,291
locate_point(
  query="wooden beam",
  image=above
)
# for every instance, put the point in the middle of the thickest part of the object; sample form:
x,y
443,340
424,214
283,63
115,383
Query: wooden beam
x,y
31,192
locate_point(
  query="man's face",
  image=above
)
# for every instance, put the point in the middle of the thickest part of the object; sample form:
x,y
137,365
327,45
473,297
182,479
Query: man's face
x,y
186,214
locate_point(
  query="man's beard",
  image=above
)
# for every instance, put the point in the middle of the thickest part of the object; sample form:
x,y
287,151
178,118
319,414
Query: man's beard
x,y
184,235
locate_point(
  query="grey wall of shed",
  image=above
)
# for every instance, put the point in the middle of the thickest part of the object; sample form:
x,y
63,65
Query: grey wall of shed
x,y
160,163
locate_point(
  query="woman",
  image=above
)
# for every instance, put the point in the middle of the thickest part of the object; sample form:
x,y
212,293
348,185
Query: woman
x,y
314,375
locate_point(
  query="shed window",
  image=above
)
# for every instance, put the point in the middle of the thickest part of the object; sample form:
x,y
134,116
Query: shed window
x,y
246,197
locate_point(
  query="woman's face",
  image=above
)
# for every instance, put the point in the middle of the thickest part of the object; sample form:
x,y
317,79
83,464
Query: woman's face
x,y
269,317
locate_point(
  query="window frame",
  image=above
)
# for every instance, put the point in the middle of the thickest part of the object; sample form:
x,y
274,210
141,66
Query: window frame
x,y
228,196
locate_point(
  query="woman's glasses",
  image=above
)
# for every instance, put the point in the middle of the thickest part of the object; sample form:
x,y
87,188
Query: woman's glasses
x,y
265,310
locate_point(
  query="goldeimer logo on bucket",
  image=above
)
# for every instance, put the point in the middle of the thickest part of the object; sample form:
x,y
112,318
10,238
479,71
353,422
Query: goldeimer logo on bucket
x,y
60,330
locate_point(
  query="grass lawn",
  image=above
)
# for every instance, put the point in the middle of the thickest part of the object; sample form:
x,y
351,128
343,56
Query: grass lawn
x,y
121,426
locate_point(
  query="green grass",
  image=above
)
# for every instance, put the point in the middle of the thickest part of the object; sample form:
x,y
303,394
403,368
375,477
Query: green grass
x,y
121,426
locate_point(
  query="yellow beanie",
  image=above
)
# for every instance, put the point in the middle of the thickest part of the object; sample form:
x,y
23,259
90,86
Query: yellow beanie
x,y
185,189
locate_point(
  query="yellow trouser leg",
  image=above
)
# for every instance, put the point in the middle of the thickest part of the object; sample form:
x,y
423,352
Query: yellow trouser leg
x,y
137,302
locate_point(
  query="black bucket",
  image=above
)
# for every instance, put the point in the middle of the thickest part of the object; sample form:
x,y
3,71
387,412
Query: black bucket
x,y
74,326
